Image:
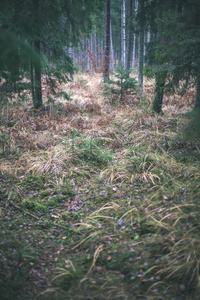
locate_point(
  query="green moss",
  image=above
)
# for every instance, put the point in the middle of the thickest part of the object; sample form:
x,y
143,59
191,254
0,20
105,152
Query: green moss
x,y
34,205
68,192
35,182
65,215
45,193
40,207
28,204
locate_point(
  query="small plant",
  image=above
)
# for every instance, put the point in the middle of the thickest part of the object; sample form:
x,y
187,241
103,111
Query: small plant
x,y
17,260
4,143
122,84
34,205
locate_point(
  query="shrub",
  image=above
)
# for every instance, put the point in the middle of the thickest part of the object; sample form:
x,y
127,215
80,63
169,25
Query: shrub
x,y
122,84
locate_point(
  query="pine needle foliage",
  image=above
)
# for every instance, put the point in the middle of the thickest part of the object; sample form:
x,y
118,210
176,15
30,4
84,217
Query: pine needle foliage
x,y
122,83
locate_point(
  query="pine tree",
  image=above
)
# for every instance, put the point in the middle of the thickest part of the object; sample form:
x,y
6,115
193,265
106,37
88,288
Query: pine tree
x,y
175,48
48,28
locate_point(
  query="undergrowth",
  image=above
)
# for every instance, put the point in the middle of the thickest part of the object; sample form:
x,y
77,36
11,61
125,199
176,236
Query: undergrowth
x,y
99,201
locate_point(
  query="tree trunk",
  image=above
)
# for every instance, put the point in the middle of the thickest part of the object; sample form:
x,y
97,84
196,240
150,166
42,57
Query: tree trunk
x,y
123,34
37,102
134,46
141,60
107,46
141,45
136,40
111,49
156,105
37,80
131,35
197,100
71,55
32,82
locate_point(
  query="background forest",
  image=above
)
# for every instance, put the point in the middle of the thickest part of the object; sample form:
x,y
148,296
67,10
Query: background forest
x,y
99,149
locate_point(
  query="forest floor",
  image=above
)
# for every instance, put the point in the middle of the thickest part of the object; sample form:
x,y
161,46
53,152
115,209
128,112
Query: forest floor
x,y
99,199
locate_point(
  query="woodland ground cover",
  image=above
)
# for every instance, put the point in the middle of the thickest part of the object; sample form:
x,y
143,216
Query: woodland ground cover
x,y
99,199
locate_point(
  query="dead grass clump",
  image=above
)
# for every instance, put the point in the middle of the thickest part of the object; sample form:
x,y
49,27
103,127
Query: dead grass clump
x,y
6,168
80,85
79,123
97,132
177,251
70,108
25,140
140,122
116,144
93,108
54,161
104,120
9,116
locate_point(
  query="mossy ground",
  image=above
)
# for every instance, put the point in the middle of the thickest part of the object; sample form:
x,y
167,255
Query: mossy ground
x,y
99,201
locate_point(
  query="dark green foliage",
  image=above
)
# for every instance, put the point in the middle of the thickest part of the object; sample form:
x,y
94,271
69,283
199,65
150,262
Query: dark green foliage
x,y
121,84
16,261
175,44
192,130
90,151
34,41
4,144
14,57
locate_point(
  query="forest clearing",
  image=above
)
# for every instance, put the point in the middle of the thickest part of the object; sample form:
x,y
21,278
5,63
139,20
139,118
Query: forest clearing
x,y
100,200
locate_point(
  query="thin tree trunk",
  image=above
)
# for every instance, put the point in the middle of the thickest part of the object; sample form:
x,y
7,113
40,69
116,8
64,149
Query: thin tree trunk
x,y
32,82
141,45
71,55
111,49
141,60
131,35
136,41
38,78
107,46
123,34
88,59
136,49
197,99
134,46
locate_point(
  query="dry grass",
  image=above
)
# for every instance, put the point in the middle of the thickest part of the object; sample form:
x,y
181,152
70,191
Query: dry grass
x,y
137,228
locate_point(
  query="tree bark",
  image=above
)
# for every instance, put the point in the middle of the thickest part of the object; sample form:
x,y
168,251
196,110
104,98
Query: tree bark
x,y
38,78
32,82
131,35
156,105
141,45
107,46
123,34
37,81
197,99
111,49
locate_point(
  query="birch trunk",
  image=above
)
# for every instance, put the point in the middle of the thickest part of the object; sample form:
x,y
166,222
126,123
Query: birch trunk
x,y
141,45
123,34
107,45
111,49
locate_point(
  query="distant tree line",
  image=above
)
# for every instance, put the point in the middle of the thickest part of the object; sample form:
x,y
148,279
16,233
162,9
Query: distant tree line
x,y
159,38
